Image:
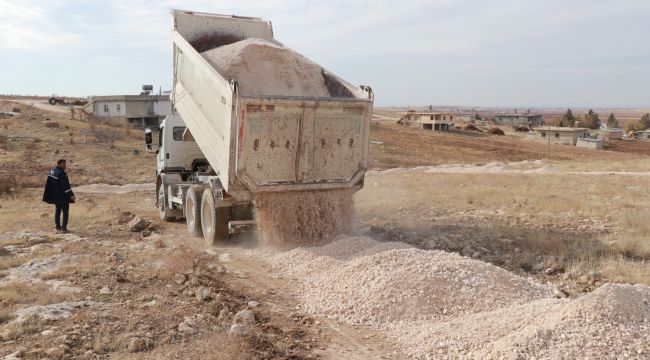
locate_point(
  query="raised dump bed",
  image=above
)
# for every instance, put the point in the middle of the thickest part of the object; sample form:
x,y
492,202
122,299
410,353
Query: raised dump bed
x,y
260,117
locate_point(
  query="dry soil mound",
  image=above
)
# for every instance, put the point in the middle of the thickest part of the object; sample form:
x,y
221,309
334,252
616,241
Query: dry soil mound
x,y
264,67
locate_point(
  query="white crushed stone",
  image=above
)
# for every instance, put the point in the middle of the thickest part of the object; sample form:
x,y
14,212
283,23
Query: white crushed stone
x,y
268,68
51,312
34,269
437,305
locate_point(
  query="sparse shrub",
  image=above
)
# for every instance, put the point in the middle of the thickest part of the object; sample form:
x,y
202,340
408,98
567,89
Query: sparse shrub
x,y
496,131
52,124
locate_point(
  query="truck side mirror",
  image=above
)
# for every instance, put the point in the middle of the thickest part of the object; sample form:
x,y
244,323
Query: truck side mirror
x,y
148,139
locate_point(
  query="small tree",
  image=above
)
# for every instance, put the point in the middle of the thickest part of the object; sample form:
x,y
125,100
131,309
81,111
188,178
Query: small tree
x,y
612,122
591,120
645,121
561,123
569,119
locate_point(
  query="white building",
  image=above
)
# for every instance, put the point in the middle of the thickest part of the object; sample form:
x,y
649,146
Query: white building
x,y
561,135
132,110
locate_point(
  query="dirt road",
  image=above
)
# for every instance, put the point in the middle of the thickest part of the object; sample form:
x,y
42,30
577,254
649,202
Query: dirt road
x,y
44,105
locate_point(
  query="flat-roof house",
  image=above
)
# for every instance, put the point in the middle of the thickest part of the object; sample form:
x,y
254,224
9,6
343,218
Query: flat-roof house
x,y
132,110
561,135
527,119
433,120
644,135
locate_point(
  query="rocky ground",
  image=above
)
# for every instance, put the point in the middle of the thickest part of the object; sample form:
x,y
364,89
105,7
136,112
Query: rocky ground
x,y
511,261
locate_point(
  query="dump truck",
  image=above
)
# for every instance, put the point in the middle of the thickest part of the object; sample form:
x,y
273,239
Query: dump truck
x,y
220,147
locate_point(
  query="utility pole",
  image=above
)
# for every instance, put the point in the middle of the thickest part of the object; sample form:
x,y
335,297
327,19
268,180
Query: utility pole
x,y
549,142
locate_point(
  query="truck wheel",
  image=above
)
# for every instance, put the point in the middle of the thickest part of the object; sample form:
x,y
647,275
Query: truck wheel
x,y
52,101
214,219
193,209
163,210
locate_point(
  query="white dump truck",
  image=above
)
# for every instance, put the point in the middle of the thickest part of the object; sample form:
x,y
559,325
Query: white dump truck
x,y
221,146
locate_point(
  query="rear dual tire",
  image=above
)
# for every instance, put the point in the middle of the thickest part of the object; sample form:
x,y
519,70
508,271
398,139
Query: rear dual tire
x,y
214,218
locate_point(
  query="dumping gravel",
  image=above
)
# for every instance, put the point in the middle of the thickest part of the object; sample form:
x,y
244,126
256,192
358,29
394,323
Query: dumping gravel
x,y
267,68
292,219
435,305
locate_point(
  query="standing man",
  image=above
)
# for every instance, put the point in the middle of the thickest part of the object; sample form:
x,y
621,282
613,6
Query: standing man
x,y
59,193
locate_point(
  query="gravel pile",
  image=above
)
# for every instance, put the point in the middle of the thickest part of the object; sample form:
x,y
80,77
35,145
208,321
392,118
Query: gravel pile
x,y
267,68
436,305
372,283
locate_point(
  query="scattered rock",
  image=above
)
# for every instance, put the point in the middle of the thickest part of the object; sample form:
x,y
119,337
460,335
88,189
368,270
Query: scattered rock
x,y
253,303
187,327
224,315
137,345
137,224
240,329
538,267
51,312
115,256
159,243
180,279
203,293
124,218
146,233
244,317
105,290
55,352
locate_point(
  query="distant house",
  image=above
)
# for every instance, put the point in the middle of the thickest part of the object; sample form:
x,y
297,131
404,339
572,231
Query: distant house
x,y
561,135
611,134
644,135
516,120
132,110
441,121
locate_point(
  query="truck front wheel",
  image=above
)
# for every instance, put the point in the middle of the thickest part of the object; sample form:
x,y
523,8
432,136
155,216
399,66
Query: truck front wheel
x,y
193,209
163,210
214,219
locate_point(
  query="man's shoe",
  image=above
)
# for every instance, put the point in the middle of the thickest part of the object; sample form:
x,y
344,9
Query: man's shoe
x,y
64,231
58,230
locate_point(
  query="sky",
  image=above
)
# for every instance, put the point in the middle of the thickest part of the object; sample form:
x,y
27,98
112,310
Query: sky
x,y
519,53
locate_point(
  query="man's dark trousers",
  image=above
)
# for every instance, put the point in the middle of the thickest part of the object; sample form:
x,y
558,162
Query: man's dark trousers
x,y
65,207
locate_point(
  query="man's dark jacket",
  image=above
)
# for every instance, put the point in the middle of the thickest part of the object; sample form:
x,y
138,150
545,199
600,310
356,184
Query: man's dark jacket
x,y
57,187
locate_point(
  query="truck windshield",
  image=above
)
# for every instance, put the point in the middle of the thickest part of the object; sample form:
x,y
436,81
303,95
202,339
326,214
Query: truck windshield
x,y
160,137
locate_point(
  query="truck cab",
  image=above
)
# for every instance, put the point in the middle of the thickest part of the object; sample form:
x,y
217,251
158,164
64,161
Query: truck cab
x,y
177,150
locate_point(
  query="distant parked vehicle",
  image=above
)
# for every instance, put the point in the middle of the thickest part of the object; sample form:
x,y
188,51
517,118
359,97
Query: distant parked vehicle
x,y
54,99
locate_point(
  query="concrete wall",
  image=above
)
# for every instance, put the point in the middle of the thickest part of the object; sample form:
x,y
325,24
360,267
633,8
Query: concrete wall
x,y
596,144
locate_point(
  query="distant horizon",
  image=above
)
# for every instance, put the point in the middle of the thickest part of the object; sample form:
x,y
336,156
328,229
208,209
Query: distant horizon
x,y
465,107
